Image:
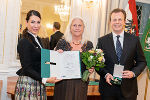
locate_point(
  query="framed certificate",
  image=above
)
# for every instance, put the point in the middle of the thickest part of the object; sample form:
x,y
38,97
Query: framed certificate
x,y
64,65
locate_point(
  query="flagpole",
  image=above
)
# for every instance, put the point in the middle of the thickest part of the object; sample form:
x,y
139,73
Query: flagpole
x,y
146,83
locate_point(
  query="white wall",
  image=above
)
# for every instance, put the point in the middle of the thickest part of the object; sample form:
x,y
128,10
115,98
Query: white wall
x,y
9,26
143,86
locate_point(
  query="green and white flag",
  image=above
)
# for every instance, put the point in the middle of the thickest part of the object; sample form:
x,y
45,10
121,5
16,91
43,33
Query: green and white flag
x,y
146,43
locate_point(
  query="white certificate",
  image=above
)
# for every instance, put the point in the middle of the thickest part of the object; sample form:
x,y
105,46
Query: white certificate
x,y
65,65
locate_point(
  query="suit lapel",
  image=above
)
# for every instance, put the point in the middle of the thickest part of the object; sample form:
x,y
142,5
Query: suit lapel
x,y
112,48
33,41
126,43
40,41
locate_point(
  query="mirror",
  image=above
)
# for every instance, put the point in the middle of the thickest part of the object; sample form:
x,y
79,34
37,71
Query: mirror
x,y
48,15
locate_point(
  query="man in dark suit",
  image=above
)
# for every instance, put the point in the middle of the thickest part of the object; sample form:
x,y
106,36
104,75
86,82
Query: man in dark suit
x,y
120,48
56,36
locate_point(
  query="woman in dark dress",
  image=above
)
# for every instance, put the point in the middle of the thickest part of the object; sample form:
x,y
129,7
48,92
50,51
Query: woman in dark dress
x,y
30,84
74,40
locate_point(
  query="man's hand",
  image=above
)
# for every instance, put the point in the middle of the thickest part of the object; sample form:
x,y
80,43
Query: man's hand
x,y
109,77
127,74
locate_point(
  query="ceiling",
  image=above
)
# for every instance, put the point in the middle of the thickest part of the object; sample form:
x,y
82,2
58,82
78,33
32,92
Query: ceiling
x,y
41,1
36,4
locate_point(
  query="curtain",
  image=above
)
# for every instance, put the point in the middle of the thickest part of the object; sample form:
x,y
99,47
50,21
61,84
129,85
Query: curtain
x,y
9,26
91,16
96,17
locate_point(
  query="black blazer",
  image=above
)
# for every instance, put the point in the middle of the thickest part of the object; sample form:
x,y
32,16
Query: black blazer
x,y
54,39
132,58
30,57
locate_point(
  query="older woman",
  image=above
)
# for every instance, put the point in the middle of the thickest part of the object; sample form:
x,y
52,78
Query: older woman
x,y
74,39
29,85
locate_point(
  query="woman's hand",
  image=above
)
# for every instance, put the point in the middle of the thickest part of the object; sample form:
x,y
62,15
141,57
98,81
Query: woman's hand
x,y
60,51
91,70
53,80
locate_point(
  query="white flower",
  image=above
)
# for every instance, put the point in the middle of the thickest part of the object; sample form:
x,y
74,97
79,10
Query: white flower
x,y
99,51
91,57
103,59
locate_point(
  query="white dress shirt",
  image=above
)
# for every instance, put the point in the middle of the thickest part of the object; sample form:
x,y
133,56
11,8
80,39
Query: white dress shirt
x,y
35,37
121,38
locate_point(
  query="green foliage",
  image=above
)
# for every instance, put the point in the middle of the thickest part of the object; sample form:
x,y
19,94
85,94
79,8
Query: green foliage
x,y
93,58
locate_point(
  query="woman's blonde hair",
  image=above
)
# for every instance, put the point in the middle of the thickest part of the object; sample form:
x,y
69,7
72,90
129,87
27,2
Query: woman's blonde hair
x,y
68,35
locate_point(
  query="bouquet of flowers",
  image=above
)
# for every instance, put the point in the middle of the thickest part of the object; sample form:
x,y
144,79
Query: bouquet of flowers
x,y
92,58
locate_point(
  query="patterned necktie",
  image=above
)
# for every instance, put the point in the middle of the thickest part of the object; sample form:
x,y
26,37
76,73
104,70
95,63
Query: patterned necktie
x,y
118,48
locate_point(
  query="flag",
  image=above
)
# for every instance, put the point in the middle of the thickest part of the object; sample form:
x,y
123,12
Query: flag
x,y
131,19
146,43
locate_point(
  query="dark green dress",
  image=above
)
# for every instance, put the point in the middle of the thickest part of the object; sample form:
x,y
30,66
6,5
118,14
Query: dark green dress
x,y
71,89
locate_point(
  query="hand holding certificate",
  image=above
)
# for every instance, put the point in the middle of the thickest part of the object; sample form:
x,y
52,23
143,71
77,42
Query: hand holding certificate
x,y
64,65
